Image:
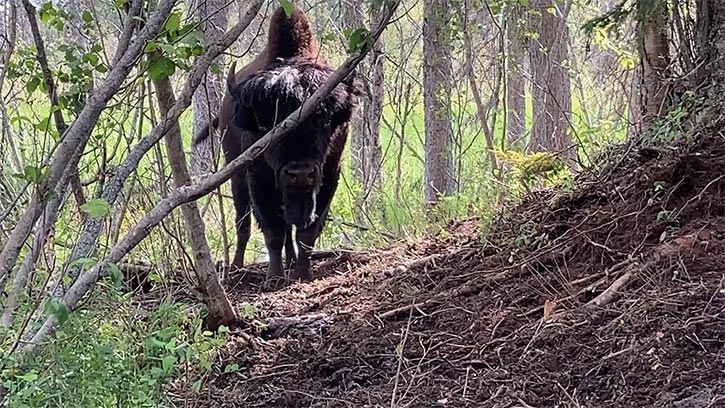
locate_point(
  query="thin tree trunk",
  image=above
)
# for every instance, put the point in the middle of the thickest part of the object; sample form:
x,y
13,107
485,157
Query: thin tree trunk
x,y
654,53
482,109
439,177
551,88
7,145
515,79
365,151
60,123
207,98
220,309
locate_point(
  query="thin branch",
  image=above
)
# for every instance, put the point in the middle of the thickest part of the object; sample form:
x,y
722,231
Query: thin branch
x,y
76,138
186,194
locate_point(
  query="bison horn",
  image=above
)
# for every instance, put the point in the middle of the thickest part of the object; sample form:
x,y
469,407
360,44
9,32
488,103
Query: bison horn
x,y
232,83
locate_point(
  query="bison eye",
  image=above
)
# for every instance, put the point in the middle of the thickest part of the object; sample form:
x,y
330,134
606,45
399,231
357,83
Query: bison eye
x,y
291,176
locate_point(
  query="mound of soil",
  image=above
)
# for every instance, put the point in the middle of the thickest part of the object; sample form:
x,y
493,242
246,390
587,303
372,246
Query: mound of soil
x,y
610,296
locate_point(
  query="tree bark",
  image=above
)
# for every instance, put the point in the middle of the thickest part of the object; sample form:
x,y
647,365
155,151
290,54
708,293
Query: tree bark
x,y
515,80
365,150
654,54
551,87
220,309
439,177
208,97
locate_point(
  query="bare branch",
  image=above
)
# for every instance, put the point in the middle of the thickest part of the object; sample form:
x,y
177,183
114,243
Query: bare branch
x,y
76,137
92,228
182,195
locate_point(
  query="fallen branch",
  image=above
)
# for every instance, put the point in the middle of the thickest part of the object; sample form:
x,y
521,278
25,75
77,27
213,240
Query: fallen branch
x,y
613,290
280,326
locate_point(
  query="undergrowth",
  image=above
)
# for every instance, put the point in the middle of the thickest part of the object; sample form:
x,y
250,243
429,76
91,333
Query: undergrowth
x,y
113,353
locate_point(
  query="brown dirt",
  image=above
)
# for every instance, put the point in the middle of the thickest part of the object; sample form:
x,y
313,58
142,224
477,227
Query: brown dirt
x,y
478,337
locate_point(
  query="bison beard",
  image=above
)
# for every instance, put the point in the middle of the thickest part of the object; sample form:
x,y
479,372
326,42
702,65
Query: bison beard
x,y
294,182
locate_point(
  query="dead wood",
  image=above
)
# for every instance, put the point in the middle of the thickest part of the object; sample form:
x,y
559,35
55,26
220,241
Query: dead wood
x,y
281,326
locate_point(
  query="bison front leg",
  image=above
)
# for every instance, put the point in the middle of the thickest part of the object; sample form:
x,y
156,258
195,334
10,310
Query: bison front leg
x,y
267,204
307,238
305,243
274,238
289,248
243,221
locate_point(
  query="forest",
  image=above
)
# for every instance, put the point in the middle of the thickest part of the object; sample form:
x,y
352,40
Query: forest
x,y
379,203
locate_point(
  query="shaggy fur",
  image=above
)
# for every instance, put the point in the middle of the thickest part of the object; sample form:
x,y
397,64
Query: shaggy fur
x,y
313,148
289,69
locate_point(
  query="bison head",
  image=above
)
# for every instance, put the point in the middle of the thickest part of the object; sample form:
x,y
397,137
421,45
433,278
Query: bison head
x,y
268,97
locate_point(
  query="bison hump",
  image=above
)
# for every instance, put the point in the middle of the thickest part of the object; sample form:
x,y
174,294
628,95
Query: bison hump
x,y
270,95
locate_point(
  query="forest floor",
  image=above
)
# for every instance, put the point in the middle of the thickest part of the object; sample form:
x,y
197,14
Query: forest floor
x,y
612,295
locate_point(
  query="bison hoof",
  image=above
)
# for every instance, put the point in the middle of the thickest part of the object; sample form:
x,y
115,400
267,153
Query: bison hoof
x,y
301,273
273,283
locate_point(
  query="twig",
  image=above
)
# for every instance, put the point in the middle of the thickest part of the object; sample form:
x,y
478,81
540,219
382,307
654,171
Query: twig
x,y
400,359
611,292
407,309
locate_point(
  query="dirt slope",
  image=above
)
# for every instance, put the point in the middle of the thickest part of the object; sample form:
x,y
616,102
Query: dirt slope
x,y
652,223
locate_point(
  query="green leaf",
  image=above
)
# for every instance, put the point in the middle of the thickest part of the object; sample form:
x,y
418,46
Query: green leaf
x,y
196,386
173,22
97,208
32,85
287,6
150,47
87,16
231,368
120,3
30,376
43,125
45,16
161,68
34,174
167,363
91,58
115,274
358,39
58,309
85,262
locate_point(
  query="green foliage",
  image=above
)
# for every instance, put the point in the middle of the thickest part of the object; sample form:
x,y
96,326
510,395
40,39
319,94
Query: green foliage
x,y
359,40
529,166
611,19
287,6
111,357
175,47
674,125
34,174
96,208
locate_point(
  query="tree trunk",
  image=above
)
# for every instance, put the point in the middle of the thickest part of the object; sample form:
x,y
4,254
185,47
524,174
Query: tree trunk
x,y
551,87
515,80
220,310
207,98
439,177
711,29
654,54
365,151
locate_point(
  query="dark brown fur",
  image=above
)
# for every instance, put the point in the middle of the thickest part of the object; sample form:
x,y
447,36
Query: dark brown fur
x,y
291,39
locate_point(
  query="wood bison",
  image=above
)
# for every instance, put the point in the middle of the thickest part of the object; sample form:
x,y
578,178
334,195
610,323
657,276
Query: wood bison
x,y
294,182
